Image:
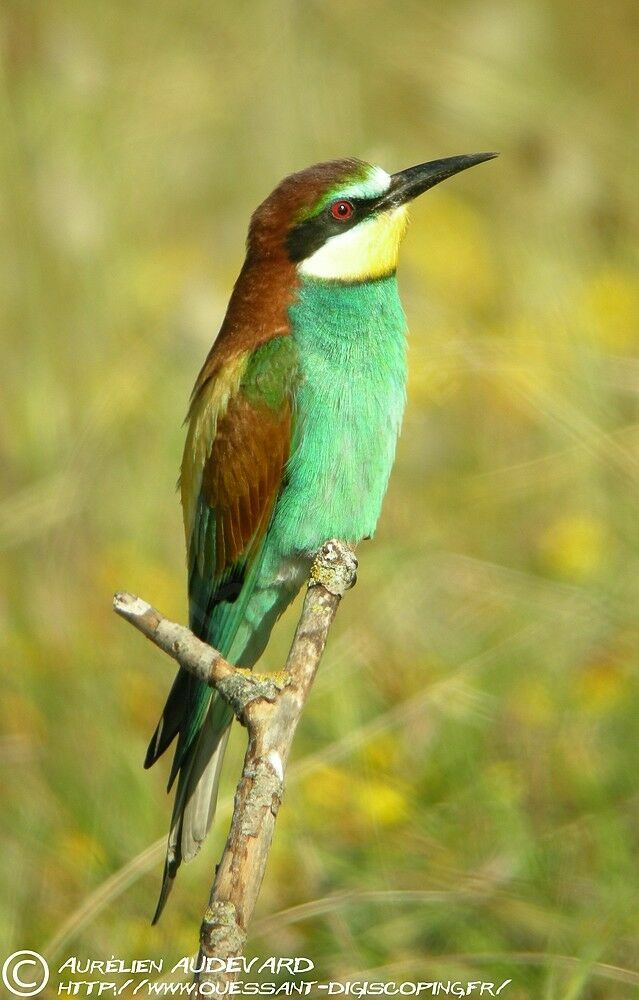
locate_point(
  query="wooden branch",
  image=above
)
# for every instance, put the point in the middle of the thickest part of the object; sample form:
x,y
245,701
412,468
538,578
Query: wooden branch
x,y
270,708
238,687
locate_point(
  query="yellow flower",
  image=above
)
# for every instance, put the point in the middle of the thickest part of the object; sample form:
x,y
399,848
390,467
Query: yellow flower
x,y
381,803
611,310
601,686
353,802
328,788
574,546
381,753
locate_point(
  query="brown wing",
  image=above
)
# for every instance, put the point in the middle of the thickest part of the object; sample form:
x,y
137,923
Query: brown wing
x,y
237,447
241,478
238,443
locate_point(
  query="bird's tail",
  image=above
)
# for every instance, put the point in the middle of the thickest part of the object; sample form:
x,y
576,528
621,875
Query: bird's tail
x,y
196,794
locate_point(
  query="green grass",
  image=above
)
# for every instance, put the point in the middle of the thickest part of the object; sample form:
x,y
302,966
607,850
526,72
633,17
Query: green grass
x,y
463,797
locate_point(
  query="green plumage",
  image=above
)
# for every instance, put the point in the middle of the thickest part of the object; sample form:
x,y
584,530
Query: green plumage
x,y
292,432
272,372
344,367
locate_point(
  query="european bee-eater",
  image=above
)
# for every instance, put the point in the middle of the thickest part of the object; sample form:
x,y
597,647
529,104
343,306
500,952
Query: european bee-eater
x,y
291,434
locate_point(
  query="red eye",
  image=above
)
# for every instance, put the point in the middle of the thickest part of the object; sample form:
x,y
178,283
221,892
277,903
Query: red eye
x,y
341,210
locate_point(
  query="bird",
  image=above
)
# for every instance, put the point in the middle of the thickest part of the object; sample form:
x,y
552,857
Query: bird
x,y
291,435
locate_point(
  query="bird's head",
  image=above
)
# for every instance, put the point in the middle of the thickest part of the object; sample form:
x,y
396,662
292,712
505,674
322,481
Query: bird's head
x,y
344,220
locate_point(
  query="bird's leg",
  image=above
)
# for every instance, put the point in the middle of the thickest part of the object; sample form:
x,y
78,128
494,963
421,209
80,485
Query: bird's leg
x,y
243,686
279,678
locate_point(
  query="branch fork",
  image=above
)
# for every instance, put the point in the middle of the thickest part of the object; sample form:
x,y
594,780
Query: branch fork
x,y
270,707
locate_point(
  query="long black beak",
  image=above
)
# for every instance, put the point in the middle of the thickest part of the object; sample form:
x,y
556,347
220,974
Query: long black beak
x,y
408,184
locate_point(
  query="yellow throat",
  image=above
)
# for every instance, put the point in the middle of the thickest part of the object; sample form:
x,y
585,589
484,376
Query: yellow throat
x,y
366,251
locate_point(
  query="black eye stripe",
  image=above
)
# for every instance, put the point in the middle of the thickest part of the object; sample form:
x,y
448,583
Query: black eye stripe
x,y
308,236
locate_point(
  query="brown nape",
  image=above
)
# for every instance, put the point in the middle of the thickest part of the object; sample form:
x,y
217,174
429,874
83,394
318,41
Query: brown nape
x,y
258,308
257,312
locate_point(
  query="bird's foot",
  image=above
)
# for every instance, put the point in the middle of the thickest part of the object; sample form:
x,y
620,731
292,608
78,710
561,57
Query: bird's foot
x,y
279,678
244,686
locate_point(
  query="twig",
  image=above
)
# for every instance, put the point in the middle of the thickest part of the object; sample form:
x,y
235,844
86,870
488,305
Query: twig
x,y
270,708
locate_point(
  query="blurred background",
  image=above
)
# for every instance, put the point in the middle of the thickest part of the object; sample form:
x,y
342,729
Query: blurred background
x,y
463,799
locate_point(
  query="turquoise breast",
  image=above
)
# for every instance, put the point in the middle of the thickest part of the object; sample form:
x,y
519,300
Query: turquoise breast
x,y
349,408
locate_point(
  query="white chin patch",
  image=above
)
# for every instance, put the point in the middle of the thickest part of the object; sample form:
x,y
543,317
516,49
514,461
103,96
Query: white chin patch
x,y
368,250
